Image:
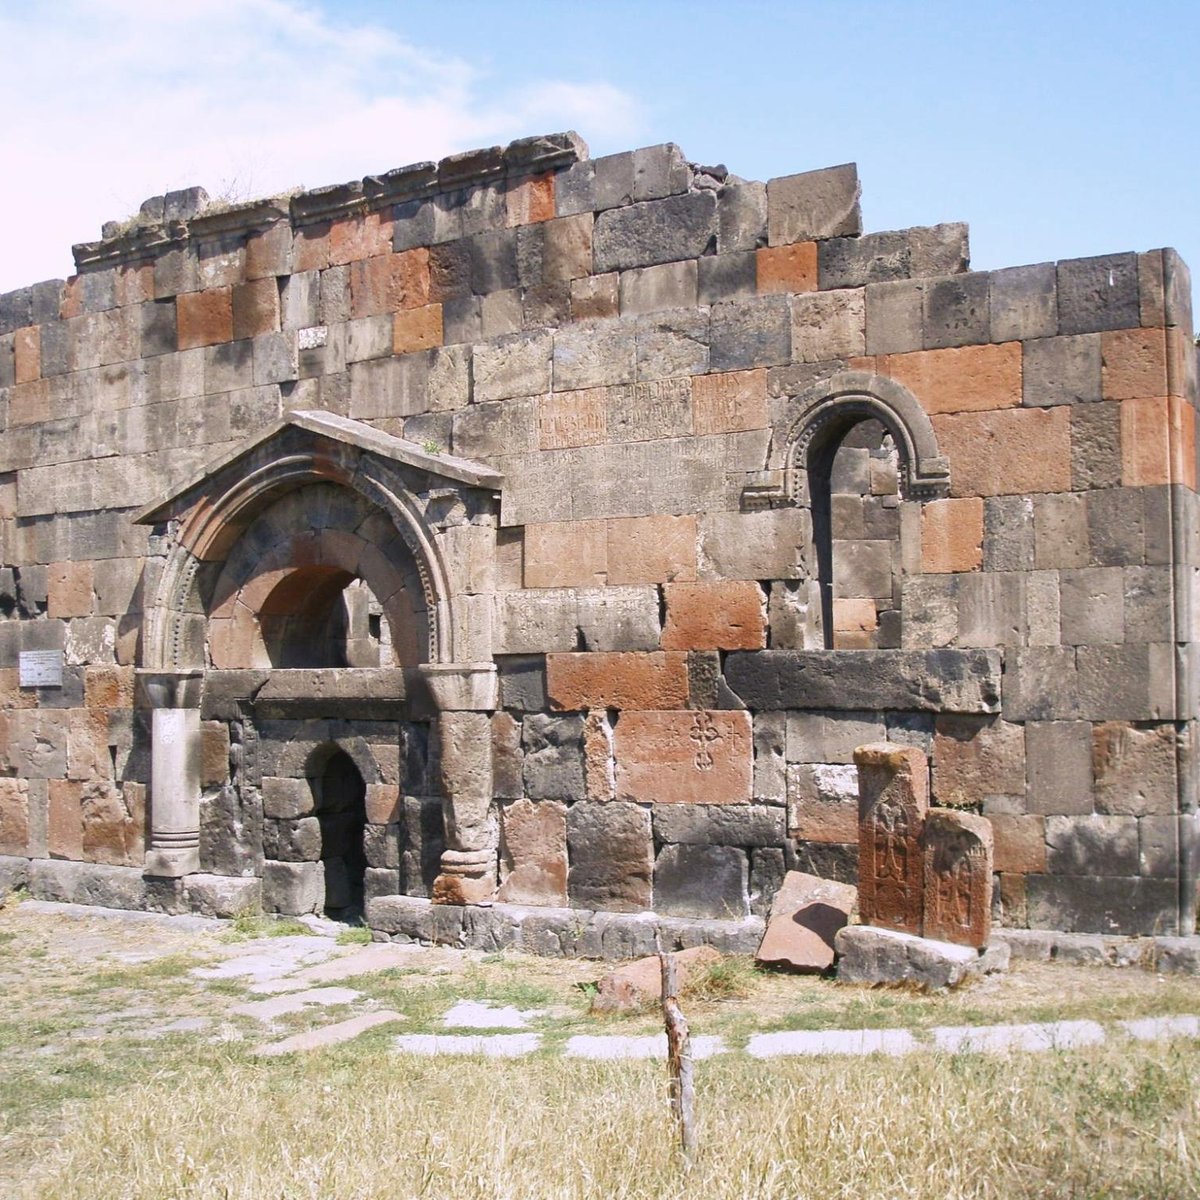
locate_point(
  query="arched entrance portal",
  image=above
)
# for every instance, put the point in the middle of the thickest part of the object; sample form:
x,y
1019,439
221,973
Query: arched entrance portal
x,y
339,795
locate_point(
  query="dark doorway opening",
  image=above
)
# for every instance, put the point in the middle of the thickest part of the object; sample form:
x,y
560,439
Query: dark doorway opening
x,y
342,813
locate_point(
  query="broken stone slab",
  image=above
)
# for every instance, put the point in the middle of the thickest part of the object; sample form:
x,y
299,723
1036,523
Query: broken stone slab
x,y
328,1035
867,954
639,983
806,914
292,1002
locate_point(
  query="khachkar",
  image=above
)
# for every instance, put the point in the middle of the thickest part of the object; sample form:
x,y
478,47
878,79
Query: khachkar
x,y
922,871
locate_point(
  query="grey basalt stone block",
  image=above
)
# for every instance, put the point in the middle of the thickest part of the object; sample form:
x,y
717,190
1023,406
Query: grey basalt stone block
x,y
957,311
1099,293
1061,370
741,217
921,252
87,883
1097,904
611,856
16,309
727,276
719,824
702,881
553,762
755,332
882,956
1024,303
660,171
814,205
1092,845
655,231
223,895
293,888
932,680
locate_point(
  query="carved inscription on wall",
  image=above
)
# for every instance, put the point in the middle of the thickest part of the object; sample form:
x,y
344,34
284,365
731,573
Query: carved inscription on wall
x,y
642,412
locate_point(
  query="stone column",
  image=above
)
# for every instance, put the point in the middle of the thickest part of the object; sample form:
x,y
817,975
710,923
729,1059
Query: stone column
x,y
173,846
465,697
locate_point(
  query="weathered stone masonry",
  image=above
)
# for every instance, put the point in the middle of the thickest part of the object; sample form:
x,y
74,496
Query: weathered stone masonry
x,y
550,531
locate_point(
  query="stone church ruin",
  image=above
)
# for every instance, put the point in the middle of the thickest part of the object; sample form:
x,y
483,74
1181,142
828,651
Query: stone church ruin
x,y
517,548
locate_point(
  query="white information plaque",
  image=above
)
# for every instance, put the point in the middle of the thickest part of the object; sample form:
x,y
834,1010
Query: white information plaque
x,y
40,668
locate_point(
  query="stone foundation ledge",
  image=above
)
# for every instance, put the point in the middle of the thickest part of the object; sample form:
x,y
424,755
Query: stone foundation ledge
x,y
1167,954
554,932
127,887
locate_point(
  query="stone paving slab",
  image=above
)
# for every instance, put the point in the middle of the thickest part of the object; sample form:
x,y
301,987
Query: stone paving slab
x,y
480,1014
270,958
328,1035
831,1041
1053,1035
500,1045
649,1046
292,1002
379,956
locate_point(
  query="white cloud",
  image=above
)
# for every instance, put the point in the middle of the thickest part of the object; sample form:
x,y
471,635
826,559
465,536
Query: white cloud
x,y
111,101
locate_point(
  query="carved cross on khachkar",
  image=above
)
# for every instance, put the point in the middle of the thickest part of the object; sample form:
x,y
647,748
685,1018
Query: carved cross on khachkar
x,y
893,798
958,877
922,871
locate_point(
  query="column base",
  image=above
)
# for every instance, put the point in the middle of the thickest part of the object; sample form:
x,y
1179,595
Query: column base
x,y
172,864
467,877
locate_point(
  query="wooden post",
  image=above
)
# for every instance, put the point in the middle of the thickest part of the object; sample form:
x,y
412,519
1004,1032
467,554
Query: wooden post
x,y
679,1055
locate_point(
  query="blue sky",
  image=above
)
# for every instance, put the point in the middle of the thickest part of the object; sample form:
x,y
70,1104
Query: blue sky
x,y
1056,129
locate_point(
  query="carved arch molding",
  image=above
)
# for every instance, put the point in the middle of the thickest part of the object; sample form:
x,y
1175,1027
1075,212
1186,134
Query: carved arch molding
x,y
405,504
824,413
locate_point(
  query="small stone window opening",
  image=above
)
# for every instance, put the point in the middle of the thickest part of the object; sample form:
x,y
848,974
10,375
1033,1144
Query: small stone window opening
x,y
855,496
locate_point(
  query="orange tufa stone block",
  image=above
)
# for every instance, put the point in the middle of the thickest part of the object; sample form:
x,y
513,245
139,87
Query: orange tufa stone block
x,y
685,757
1133,363
69,588
962,379
786,268
389,282
1008,452
64,821
27,354
625,680
659,549
952,535
727,615
730,402
310,249
14,816
566,554
1158,442
255,308
357,238
1020,843
417,329
204,318
530,200
569,419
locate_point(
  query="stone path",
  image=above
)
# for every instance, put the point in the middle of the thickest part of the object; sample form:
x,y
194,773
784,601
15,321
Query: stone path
x,y
303,974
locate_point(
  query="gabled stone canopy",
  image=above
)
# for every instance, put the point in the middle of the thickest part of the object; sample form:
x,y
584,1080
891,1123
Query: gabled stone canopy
x,y
416,494
342,430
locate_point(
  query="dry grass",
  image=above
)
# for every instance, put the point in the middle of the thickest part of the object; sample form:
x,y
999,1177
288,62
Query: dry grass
x,y
90,1108
363,1123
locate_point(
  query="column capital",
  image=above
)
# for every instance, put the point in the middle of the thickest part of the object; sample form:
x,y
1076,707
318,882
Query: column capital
x,y
171,689
462,687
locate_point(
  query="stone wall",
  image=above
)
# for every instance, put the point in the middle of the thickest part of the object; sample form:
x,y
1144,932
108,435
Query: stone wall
x,y
772,488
